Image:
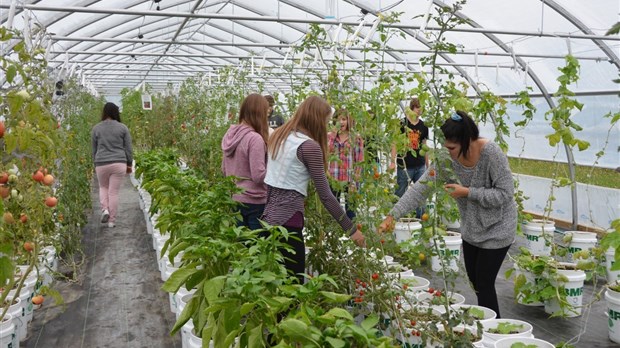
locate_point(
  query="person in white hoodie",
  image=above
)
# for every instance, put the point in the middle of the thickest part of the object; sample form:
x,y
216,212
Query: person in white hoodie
x,y
244,149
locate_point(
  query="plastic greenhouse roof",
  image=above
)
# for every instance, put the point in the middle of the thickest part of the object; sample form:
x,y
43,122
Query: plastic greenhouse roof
x,y
505,47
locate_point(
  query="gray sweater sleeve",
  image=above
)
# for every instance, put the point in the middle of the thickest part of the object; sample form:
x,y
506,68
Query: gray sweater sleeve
x,y
93,141
502,190
128,148
413,197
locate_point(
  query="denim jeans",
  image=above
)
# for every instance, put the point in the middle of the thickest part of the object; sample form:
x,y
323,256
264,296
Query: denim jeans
x,y
406,176
350,213
250,213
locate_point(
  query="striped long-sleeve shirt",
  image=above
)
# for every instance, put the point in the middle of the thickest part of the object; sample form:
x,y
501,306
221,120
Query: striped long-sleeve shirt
x,y
282,204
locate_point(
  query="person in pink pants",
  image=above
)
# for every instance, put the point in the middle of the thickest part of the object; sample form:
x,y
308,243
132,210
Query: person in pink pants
x,y
113,157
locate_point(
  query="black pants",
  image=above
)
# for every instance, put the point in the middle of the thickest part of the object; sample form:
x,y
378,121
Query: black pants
x,y
482,266
295,263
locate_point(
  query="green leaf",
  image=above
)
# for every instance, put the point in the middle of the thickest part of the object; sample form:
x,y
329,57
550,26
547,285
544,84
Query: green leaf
x,y
189,309
370,322
338,313
246,308
334,297
255,339
6,269
582,145
359,333
10,73
294,328
178,278
615,29
335,342
213,287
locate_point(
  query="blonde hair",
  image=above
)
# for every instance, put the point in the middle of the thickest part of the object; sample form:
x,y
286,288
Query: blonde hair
x,y
311,119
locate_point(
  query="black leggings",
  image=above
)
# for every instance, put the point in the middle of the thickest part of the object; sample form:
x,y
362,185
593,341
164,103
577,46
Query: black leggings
x,y
482,266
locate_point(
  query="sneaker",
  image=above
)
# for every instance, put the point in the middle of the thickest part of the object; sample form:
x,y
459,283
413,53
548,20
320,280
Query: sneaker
x,y
111,224
105,216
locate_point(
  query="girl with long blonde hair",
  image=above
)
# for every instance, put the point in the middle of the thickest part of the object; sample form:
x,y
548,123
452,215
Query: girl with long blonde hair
x,y
297,153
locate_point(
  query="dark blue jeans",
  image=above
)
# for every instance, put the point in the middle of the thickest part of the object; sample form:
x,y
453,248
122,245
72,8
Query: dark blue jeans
x,y
250,213
350,213
406,176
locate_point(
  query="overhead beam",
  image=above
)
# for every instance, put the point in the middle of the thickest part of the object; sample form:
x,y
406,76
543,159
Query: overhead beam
x,y
74,9
247,58
278,45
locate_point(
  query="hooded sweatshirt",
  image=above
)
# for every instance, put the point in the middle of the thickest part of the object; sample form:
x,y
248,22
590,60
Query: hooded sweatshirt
x,y
245,156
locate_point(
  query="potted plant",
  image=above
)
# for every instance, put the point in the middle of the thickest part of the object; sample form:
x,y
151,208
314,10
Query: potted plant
x,y
612,296
495,329
522,342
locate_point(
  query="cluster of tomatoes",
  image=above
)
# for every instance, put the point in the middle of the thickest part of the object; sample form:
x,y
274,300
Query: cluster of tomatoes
x,y
434,292
360,288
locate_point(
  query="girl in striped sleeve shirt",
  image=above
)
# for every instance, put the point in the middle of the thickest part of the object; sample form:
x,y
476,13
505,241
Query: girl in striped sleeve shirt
x,y
297,152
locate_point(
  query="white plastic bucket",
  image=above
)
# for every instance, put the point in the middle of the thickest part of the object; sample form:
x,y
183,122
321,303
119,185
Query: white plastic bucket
x,y
453,248
405,229
528,341
25,295
535,232
8,338
529,278
195,341
613,314
414,284
574,294
186,331
425,298
182,298
610,256
580,241
488,313
489,339
21,327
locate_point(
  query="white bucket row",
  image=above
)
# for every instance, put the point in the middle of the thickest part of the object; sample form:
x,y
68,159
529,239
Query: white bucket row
x,y
448,247
539,236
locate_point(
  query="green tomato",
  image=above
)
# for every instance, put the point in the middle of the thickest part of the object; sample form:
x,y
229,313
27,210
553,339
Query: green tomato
x,y
12,178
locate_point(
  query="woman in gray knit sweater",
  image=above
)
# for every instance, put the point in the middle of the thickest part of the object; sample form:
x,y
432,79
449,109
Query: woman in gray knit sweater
x,y
485,198
113,157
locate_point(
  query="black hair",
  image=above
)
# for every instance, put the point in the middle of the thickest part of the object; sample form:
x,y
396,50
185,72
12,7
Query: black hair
x,y
460,128
110,110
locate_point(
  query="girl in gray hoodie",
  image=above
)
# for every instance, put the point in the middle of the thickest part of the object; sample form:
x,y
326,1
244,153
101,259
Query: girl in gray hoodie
x,y
244,149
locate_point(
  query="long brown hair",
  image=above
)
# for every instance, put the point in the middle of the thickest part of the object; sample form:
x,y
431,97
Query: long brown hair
x,y
254,112
311,119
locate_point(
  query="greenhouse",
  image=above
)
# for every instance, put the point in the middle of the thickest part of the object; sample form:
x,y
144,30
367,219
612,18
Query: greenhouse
x,y
330,173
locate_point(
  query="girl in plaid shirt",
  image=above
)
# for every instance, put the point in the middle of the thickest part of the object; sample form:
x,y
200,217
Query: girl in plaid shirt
x,y
344,152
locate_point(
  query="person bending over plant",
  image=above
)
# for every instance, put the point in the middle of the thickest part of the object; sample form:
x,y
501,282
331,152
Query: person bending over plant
x,y
485,198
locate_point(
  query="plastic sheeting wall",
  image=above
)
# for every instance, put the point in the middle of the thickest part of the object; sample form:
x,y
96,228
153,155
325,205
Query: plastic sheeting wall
x,y
597,206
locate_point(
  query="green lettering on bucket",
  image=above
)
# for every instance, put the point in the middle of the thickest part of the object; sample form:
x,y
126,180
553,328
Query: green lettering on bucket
x,y
613,315
573,250
451,252
574,292
531,237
